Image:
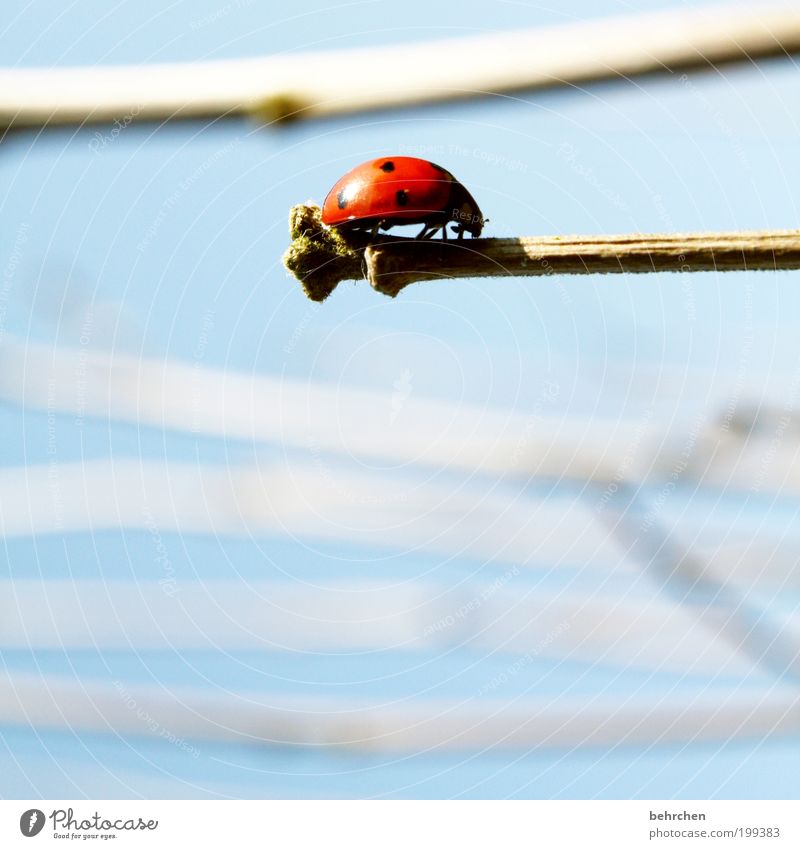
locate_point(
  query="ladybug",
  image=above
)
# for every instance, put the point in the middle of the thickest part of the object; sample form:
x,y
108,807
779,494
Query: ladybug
x,y
396,190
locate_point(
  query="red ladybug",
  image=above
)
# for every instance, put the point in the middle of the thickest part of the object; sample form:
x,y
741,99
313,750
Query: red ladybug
x,y
395,190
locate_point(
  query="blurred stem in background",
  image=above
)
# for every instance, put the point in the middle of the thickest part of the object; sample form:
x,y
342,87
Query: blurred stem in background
x,y
278,88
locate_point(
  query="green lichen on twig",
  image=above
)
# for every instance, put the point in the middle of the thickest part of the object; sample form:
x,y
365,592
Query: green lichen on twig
x,y
320,257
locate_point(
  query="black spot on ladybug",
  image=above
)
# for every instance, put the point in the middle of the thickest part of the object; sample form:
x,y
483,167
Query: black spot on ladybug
x,y
388,165
341,200
402,197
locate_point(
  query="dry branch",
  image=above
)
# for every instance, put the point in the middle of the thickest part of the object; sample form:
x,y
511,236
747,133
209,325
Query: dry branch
x,y
320,258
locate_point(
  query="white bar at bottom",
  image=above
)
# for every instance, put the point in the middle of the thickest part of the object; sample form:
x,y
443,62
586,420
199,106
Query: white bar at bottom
x,y
398,825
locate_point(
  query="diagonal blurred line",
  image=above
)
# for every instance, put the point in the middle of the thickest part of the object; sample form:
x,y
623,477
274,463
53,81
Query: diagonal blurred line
x,y
720,605
640,633
118,708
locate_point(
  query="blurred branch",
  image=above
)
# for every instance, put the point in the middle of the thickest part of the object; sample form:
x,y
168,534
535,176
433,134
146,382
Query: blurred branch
x,y
297,86
320,258
755,452
725,607
589,627
367,725
324,502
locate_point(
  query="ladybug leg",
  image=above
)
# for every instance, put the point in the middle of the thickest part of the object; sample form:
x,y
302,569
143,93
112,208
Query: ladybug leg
x,y
431,231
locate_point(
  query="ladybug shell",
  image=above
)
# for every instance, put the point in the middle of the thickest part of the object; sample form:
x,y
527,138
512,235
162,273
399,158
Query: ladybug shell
x,y
400,190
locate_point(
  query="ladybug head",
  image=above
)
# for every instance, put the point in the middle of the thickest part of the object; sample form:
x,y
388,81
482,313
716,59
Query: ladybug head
x,y
465,212
468,218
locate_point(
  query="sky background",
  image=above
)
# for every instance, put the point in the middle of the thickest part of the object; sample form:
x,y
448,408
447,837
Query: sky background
x,y
168,242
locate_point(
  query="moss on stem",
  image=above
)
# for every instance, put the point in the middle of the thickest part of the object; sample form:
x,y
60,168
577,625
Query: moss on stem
x,y
320,258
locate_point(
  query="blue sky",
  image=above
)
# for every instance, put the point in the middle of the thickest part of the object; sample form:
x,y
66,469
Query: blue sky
x,y
171,241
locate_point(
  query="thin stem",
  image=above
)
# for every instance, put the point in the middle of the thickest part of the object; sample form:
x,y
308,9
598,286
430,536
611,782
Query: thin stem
x,y
393,265
321,257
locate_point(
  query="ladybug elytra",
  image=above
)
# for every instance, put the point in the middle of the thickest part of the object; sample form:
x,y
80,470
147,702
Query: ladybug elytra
x,y
397,190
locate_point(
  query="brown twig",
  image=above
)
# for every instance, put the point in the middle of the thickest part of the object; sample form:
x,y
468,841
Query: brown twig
x,y
320,258
391,267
